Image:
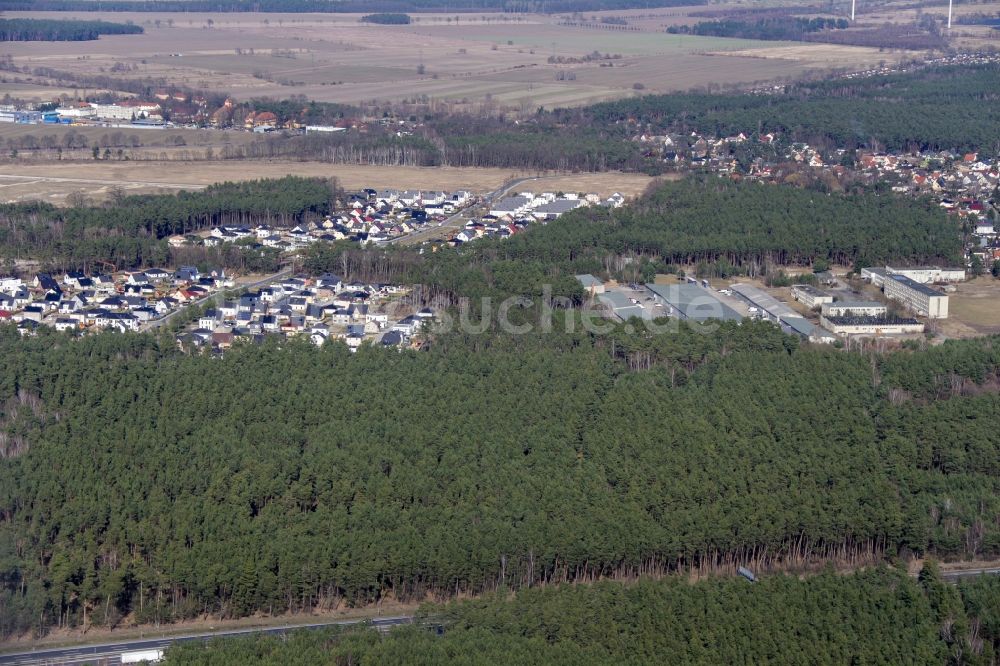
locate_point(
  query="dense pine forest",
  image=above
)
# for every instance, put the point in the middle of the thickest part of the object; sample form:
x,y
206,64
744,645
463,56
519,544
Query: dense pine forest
x,y
790,28
128,232
455,140
936,108
874,617
35,30
139,482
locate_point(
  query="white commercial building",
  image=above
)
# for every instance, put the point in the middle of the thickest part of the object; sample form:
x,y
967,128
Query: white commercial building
x,y
929,274
920,274
810,296
871,325
854,309
916,296
127,110
79,111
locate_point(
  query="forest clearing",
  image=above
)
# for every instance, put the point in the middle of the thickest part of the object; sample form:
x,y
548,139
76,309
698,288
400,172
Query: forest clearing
x,y
53,182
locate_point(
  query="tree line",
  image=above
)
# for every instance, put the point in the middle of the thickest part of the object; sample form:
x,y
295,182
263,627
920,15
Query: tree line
x,y
129,231
791,28
878,616
386,19
461,140
287,477
934,108
48,30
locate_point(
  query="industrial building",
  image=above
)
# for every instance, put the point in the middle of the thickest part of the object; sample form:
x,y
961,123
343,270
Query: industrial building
x,y
874,275
590,284
871,325
767,307
691,302
854,309
810,296
929,274
622,308
20,117
916,296
919,274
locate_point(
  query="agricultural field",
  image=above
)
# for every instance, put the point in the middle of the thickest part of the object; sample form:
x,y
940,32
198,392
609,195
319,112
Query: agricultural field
x,y
55,181
971,37
517,62
40,143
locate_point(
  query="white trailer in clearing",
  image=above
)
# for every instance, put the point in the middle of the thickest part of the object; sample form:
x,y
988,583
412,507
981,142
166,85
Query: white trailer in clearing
x,y
142,657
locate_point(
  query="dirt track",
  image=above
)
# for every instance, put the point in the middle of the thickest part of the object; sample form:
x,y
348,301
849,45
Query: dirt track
x,y
53,182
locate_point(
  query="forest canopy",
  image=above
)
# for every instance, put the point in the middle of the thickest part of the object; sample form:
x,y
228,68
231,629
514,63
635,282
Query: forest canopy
x,y
790,28
386,19
129,232
933,108
872,617
289,477
47,30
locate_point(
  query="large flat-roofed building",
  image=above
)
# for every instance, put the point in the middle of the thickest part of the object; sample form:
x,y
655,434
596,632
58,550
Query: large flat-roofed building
x,y
929,274
874,275
622,308
590,283
883,325
770,308
763,304
690,301
919,274
810,296
916,296
854,309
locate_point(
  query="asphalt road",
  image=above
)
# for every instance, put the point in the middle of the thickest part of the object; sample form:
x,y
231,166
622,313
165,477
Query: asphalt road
x,y
108,654
27,180
456,220
956,575
157,323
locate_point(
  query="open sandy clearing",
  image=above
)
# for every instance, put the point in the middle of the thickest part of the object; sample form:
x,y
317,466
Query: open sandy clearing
x,y
55,181
976,303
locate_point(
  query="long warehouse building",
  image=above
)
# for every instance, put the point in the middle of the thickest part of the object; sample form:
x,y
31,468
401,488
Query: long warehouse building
x,y
689,301
770,308
916,296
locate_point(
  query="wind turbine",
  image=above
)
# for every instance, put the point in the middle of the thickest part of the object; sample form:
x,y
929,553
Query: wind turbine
x,y
949,14
852,9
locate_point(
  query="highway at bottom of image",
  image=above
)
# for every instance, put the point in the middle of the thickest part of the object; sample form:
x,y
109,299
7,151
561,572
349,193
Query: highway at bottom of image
x,y
110,653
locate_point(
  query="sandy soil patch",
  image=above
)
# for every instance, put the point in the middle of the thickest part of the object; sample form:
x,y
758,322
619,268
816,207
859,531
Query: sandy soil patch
x,y
55,181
